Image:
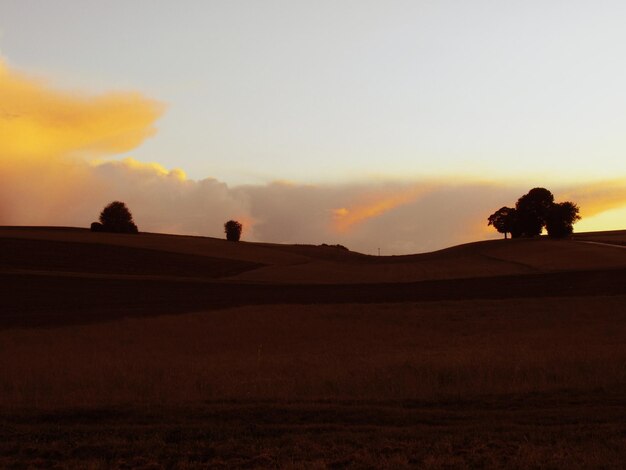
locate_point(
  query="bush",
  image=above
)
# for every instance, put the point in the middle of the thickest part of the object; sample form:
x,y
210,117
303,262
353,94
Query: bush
x,y
341,247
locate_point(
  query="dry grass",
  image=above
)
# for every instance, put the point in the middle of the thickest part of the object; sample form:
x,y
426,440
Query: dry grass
x,y
427,351
317,436
472,384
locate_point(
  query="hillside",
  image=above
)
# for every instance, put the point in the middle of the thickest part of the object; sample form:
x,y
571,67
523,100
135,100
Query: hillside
x,y
81,252
52,276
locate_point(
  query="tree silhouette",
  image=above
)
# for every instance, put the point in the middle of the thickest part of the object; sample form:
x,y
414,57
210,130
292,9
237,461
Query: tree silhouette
x,y
561,219
115,218
232,228
504,220
532,211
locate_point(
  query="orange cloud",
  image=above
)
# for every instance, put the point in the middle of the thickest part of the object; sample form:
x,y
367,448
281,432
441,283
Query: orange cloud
x,y
52,171
373,205
598,197
38,122
151,169
45,132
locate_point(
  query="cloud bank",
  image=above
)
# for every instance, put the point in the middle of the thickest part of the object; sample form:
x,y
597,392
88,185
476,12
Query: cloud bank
x,y
54,171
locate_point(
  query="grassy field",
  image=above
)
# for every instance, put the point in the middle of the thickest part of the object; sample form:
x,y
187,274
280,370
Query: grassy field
x,y
414,351
534,432
440,384
518,371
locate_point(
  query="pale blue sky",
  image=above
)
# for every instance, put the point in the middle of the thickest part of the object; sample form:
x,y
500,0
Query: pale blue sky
x,y
323,91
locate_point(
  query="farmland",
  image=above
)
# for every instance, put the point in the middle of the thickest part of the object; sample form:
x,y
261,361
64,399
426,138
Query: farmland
x,y
152,351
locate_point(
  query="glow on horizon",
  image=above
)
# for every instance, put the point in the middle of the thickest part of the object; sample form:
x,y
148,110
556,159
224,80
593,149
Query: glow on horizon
x,y
612,219
45,179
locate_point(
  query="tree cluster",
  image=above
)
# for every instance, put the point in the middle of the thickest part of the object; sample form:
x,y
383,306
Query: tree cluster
x,y
532,213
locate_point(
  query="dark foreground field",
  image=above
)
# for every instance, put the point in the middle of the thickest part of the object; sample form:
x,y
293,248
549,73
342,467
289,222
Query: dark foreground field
x,y
163,352
532,432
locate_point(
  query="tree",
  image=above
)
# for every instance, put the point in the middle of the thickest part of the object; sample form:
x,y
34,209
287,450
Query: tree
x,y
532,211
503,220
232,228
561,219
115,218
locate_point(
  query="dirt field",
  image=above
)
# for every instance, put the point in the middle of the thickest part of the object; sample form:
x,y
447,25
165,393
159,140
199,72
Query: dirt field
x,y
116,355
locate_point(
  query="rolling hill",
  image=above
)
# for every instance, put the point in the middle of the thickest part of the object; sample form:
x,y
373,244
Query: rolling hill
x,y
52,275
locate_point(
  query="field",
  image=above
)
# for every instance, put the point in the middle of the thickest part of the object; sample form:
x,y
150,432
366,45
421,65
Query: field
x,y
156,351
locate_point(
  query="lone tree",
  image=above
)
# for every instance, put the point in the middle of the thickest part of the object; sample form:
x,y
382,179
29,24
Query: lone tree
x,y
115,218
534,211
504,220
232,228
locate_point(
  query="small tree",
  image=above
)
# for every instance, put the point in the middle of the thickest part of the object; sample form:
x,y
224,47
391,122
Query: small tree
x,y
503,220
232,228
561,219
115,218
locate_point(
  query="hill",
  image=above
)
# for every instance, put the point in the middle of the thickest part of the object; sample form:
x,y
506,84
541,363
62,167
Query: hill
x,y
52,275
81,251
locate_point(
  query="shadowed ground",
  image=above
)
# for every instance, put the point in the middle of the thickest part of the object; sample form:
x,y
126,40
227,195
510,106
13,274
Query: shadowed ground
x,y
280,264
526,432
49,300
493,354
88,258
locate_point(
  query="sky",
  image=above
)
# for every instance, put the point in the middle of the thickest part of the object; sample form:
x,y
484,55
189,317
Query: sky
x,y
398,125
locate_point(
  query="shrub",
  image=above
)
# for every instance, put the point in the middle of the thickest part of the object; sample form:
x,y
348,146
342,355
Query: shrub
x,y
341,247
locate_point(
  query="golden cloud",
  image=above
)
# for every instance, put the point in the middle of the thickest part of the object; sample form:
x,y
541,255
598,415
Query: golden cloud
x,y
375,204
598,197
151,169
43,134
37,121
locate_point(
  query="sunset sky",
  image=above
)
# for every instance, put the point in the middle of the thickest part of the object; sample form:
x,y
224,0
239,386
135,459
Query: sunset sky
x,y
398,125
